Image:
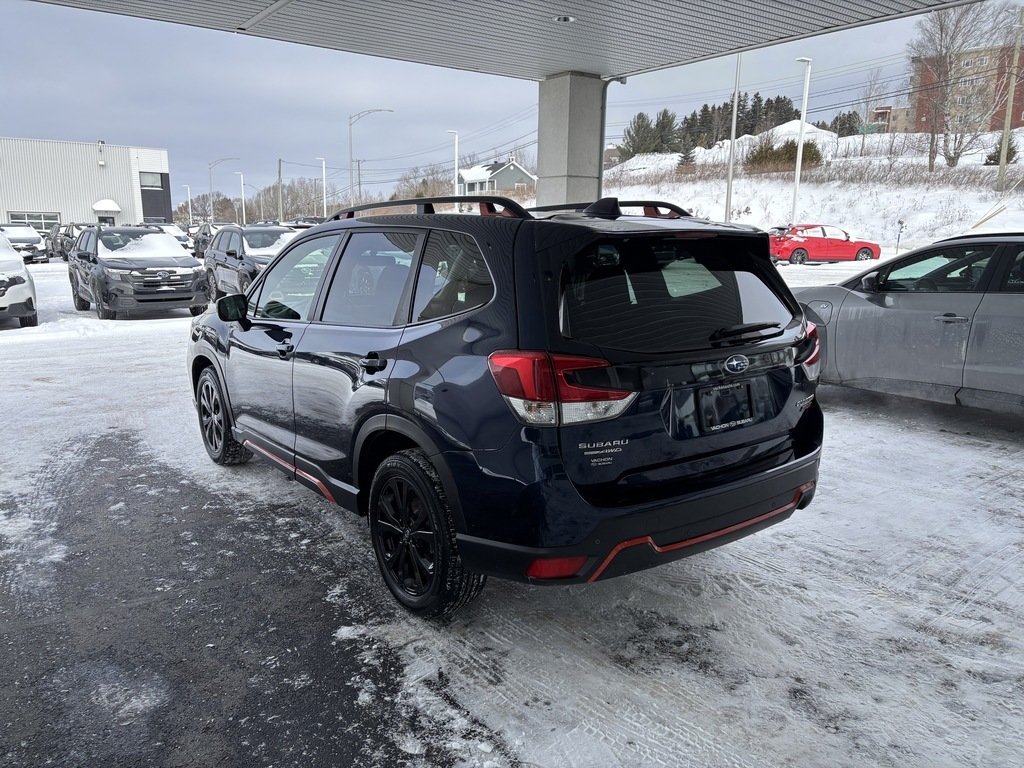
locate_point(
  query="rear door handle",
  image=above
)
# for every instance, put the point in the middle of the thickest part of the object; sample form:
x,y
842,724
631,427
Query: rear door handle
x,y
949,317
373,363
284,350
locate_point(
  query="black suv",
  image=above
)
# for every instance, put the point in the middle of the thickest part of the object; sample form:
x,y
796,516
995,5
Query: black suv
x,y
134,269
554,400
237,254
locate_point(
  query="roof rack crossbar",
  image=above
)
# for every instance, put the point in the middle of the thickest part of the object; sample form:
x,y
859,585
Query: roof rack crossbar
x,y
425,205
652,208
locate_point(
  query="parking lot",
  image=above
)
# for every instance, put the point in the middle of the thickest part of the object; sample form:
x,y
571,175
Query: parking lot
x,y
156,609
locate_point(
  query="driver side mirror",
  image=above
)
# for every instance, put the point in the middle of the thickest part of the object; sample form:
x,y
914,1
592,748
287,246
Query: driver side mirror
x,y
231,309
83,256
869,283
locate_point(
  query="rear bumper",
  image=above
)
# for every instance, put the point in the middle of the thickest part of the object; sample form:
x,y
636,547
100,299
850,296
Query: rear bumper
x,y
660,533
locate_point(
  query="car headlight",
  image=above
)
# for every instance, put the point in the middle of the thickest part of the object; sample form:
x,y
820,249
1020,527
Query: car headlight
x,y
260,266
120,274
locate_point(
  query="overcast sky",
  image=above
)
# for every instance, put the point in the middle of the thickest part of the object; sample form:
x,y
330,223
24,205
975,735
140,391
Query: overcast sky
x,y
203,95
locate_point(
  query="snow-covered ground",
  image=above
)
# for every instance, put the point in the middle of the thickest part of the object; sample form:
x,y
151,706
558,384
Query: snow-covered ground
x,y
879,627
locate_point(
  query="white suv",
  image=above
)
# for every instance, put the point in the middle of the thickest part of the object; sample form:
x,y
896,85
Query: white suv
x,y
17,291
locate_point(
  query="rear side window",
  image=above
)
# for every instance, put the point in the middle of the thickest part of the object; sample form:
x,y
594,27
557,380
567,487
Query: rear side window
x,y
370,287
665,294
453,277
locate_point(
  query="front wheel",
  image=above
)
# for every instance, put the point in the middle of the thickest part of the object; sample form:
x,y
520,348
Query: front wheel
x,y
414,538
799,256
213,422
102,312
29,321
864,254
212,291
80,304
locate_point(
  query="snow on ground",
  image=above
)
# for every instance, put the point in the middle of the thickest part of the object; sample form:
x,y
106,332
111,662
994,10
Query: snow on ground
x,y
880,626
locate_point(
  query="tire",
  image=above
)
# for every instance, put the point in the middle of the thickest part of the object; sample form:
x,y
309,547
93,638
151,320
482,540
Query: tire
x,y
864,254
414,538
197,310
80,304
29,321
213,422
103,313
212,291
243,283
799,256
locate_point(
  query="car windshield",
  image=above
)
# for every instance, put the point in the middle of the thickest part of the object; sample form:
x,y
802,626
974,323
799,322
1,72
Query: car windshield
x,y
139,243
172,229
14,230
268,239
666,295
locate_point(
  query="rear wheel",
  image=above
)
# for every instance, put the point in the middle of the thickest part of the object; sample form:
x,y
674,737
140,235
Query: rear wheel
x,y
864,254
213,422
414,537
799,256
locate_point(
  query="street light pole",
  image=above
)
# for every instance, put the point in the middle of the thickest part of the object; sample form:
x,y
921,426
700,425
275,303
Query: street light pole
x,y
1004,147
188,191
323,168
732,142
211,165
352,119
241,180
456,187
800,135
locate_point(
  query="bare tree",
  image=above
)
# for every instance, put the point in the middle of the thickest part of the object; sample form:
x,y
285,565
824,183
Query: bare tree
x,y
868,96
950,84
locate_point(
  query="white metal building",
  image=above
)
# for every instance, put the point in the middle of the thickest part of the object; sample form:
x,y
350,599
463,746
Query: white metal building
x,y
44,182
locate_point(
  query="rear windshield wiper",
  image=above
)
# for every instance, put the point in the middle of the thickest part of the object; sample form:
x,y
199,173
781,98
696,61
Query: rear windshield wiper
x,y
742,329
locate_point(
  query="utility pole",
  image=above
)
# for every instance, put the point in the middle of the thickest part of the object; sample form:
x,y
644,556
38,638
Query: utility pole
x,y
280,201
1008,121
456,186
359,179
800,134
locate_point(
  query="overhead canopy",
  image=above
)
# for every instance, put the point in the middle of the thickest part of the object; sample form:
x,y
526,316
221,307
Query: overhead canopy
x,y
526,39
106,205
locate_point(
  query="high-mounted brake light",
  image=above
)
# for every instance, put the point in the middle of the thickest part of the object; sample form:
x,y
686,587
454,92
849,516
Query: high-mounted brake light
x,y
541,389
810,358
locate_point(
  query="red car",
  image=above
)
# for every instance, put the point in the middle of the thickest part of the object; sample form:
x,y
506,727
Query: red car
x,y
802,243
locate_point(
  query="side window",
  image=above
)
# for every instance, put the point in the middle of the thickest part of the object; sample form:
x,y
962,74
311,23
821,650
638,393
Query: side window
x,y
233,242
288,289
956,269
834,233
453,277
371,285
218,243
1014,282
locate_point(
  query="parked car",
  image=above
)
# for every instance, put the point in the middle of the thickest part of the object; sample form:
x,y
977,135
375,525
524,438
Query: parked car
x,y
805,243
204,236
26,241
944,323
237,254
62,238
183,238
556,400
304,222
17,289
134,269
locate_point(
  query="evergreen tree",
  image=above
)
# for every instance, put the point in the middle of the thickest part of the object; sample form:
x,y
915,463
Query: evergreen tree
x,y
667,131
639,137
992,158
847,124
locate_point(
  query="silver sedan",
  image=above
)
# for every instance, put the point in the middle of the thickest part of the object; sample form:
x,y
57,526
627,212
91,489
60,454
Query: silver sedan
x,y
943,323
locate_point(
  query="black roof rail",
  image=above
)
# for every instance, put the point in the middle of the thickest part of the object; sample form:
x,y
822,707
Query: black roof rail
x,y
485,203
611,207
962,235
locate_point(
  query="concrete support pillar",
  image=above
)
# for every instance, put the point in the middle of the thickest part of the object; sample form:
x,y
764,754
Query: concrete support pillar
x,y
570,135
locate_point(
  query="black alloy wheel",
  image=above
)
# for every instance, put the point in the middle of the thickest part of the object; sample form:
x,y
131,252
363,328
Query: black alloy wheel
x,y
212,291
80,304
213,422
799,256
243,283
414,537
102,312
864,254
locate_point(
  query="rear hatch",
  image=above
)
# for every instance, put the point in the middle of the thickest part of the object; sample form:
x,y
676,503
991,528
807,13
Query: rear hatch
x,y
678,360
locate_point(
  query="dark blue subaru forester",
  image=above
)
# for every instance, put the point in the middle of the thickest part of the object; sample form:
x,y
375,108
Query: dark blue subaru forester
x,y
555,397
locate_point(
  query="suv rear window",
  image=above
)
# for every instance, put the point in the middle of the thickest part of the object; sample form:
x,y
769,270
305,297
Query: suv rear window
x,y
651,295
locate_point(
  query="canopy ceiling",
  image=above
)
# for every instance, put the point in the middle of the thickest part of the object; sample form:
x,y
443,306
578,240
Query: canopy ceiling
x,y
522,38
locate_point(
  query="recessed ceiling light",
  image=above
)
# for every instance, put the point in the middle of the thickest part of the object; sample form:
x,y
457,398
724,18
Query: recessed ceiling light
x,y
565,19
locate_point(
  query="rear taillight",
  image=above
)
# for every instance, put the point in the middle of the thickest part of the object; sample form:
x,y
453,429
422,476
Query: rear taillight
x,y
541,389
810,352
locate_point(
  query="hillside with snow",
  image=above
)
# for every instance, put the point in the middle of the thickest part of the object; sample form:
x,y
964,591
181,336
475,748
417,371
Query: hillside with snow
x,y
866,185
